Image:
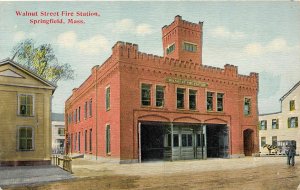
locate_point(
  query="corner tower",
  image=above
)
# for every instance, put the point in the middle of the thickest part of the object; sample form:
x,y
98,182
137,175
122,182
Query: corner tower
x,y
183,40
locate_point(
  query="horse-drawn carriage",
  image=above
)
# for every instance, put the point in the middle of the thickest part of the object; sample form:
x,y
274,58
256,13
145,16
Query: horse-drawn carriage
x,y
281,147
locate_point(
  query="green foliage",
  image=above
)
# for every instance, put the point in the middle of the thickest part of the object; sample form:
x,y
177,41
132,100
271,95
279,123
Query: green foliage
x,y
42,61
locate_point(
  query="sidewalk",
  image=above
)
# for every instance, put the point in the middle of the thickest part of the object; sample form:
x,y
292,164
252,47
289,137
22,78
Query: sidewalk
x,y
25,175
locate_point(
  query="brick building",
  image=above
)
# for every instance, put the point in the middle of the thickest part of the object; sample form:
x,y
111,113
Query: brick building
x,y
138,106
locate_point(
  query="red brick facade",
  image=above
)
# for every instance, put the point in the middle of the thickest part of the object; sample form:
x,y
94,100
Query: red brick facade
x,y
127,69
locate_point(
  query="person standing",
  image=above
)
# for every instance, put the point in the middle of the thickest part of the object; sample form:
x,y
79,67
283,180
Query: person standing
x,y
291,155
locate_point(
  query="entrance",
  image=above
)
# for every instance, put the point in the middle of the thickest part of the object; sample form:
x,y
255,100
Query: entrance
x,y
217,141
164,141
248,142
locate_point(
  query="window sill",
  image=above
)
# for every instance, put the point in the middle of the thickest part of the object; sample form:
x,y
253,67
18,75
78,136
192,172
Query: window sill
x,y
28,116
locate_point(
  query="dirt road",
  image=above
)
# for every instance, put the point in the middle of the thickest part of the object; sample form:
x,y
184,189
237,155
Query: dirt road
x,y
245,173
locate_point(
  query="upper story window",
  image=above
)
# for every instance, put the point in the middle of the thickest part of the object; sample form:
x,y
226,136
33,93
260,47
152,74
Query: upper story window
x,y
146,94
192,99
61,131
209,101
79,114
180,98
26,105
85,110
292,122
170,49
263,125
25,139
75,116
220,106
189,47
107,98
90,108
292,105
275,124
160,96
247,106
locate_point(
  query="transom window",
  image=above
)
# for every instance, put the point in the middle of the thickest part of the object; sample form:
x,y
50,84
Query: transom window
x,y
146,94
192,99
180,98
189,47
25,135
25,104
160,96
247,106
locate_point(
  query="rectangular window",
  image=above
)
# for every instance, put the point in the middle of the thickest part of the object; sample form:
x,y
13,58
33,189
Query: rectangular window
x,y
209,101
61,131
292,105
85,110
186,140
75,142
262,141
79,141
292,122
247,106
192,99
90,107
274,140
25,140
175,140
107,139
25,105
85,140
79,114
146,94
159,96
107,98
220,106
75,116
275,124
170,49
189,47
91,140
263,125
180,98
71,143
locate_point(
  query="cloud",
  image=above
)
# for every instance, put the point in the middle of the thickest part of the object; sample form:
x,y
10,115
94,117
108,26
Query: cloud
x,y
91,46
276,45
222,32
128,26
20,35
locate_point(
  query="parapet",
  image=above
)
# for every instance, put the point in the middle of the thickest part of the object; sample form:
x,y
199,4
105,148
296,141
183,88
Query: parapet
x,y
231,69
182,23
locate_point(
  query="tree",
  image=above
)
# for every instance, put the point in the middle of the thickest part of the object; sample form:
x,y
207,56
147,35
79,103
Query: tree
x,y
42,61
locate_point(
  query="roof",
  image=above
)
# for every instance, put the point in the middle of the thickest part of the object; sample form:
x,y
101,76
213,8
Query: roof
x,y
58,117
27,71
290,91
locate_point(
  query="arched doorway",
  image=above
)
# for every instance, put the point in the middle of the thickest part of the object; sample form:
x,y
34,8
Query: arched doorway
x,y
248,142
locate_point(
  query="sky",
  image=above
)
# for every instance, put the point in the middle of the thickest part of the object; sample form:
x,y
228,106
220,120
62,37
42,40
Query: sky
x,y
260,37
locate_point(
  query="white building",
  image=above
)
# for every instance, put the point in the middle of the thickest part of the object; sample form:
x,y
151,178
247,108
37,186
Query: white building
x,y
282,125
58,133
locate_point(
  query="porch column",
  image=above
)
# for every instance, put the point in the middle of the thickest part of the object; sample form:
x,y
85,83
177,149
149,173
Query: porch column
x,y
171,141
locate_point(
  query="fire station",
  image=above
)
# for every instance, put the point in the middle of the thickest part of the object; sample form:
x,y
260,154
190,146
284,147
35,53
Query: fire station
x,y
137,107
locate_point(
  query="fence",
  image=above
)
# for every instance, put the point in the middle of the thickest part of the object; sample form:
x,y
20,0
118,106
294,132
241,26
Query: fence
x,y
64,162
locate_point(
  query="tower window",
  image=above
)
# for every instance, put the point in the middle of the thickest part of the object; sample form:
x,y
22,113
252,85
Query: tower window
x,y
189,47
170,49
